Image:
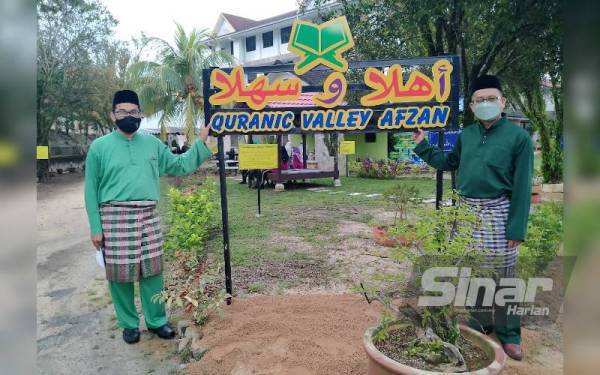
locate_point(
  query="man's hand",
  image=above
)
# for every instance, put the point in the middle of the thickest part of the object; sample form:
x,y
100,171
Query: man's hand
x,y
418,135
514,243
98,241
203,134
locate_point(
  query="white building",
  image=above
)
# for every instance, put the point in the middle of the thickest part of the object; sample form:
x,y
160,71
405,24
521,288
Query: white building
x,y
253,42
265,42
262,42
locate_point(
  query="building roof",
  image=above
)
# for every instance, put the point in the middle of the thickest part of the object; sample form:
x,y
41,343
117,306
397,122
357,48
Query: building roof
x,y
315,77
242,23
237,22
276,18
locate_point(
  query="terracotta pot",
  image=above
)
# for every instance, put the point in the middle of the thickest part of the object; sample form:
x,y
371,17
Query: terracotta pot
x,y
404,240
379,364
382,237
536,198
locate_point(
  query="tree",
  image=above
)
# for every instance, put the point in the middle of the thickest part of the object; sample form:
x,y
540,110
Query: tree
x,y
172,87
107,76
539,74
517,40
70,34
490,36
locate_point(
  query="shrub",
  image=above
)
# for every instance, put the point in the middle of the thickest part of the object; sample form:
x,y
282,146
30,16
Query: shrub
x,y
353,167
189,218
544,236
193,285
388,169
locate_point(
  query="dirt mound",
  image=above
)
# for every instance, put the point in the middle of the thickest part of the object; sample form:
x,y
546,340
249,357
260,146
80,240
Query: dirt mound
x,y
292,335
318,335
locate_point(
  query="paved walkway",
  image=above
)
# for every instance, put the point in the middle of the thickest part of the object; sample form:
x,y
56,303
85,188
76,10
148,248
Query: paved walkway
x,y
76,331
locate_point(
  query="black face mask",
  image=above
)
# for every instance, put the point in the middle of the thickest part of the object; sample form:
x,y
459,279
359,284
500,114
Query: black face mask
x,y
129,124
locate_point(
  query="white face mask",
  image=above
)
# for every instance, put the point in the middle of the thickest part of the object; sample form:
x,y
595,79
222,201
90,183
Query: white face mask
x,y
486,110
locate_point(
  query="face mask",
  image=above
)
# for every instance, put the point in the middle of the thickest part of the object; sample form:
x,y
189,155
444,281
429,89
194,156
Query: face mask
x,y
486,110
129,124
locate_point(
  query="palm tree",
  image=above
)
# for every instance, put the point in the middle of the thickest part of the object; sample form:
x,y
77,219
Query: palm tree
x,y
172,87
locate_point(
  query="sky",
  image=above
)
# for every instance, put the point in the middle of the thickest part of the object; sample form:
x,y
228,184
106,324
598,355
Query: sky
x,y
156,17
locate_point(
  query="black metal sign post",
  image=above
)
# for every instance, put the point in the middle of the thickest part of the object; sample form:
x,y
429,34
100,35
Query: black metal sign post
x,y
439,176
225,219
209,111
258,191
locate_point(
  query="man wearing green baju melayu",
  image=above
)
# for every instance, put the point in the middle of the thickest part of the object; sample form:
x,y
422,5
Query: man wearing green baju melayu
x,y
494,159
122,188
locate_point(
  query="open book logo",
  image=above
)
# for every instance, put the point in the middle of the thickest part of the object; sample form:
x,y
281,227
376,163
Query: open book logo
x,y
321,44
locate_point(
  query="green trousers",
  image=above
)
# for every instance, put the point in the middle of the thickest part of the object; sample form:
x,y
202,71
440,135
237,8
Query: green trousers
x,y
507,327
123,300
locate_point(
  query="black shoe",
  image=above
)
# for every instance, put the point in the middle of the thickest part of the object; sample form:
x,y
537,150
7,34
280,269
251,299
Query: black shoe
x,y
131,335
164,332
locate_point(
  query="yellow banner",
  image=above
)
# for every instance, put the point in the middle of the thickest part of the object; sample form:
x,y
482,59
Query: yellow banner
x,y
347,147
42,152
257,156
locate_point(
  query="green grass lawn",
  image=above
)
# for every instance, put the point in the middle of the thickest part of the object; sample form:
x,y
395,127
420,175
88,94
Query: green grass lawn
x,y
313,216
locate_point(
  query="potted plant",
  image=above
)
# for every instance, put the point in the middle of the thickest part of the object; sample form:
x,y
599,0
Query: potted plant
x,y
536,188
417,338
400,198
551,183
536,191
552,187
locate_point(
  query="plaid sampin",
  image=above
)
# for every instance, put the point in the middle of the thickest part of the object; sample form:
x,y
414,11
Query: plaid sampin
x,y
490,237
132,240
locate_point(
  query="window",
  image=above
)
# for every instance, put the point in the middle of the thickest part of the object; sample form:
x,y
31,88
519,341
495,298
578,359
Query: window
x,y
250,43
285,34
267,39
370,137
231,48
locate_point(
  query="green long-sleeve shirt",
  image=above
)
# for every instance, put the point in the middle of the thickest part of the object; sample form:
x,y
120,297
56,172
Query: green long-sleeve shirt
x,y
122,169
491,163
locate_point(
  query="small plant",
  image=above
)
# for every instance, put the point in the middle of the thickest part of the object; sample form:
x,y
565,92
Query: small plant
x,y
353,167
192,285
189,218
429,348
401,198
